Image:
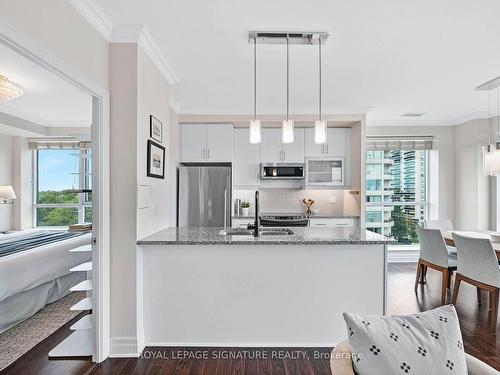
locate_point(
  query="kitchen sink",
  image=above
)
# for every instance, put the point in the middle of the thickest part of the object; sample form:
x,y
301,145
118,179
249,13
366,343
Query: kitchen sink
x,y
262,232
236,232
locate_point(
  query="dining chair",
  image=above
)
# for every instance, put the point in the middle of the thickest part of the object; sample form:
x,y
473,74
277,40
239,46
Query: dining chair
x,y
434,254
478,265
444,225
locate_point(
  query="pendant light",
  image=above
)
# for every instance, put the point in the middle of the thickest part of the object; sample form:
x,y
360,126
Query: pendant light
x,y
255,135
320,126
287,135
491,152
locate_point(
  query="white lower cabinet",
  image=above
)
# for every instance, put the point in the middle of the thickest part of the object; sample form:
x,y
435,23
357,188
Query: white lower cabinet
x,y
331,222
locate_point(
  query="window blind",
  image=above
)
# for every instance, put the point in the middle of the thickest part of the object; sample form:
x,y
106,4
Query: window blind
x,y
386,143
58,143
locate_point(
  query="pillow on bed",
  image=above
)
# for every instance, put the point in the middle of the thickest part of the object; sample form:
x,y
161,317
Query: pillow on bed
x,y
426,343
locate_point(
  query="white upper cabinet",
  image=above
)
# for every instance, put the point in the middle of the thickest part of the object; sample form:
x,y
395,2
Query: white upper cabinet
x,y
193,142
337,138
207,142
246,160
294,152
338,143
273,151
220,142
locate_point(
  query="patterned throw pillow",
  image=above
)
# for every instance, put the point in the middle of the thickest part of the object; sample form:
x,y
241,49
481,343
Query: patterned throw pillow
x,y
426,343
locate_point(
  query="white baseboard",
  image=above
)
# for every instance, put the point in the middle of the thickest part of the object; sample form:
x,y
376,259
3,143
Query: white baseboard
x,y
126,346
239,345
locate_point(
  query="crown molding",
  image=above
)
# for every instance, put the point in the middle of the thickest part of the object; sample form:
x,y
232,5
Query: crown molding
x,y
174,104
141,35
473,116
409,122
94,16
4,109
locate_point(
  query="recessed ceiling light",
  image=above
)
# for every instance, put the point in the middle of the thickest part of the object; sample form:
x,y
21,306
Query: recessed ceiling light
x,y
412,114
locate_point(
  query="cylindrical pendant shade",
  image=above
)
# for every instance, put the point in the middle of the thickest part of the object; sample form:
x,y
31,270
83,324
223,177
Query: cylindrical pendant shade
x,y
491,160
287,135
255,135
320,127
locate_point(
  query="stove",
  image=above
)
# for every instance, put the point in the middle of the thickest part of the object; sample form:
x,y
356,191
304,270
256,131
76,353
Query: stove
x,y
284,221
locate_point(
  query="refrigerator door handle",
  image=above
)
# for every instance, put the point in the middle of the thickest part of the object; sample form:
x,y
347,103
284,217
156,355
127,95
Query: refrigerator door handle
x,y
225,208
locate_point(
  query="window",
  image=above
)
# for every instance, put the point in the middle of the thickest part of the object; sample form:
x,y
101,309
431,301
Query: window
x,y
63,184
396,192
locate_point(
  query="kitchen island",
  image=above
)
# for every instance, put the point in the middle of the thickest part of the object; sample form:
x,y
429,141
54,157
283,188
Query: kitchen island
x,y
202,287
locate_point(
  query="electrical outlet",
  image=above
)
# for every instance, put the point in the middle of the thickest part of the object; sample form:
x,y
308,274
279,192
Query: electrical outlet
x,y
332,199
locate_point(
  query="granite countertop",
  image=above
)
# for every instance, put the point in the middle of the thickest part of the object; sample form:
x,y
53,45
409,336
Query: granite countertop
x,y
301,236
319,216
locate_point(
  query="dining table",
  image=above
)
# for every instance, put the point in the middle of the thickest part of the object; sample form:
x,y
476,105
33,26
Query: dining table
x,y
448,237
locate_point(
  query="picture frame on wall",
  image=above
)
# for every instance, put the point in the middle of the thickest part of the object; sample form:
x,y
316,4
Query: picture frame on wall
x,y
156,160
155,129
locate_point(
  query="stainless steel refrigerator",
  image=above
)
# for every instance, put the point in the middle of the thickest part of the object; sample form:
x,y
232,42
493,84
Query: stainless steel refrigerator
x,y
204,195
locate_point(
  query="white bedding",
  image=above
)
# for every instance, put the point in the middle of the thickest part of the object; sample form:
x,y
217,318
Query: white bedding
x,y
29,269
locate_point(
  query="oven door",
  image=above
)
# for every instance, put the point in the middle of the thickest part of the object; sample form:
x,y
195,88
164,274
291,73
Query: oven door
x,y
325,172
281,171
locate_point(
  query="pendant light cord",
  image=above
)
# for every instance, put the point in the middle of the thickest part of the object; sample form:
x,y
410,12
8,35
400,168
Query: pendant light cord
x,y
287,78
319,44
255,78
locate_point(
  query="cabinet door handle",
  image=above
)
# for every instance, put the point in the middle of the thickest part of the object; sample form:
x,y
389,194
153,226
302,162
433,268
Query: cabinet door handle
x,y
318,224
284,155
327,149
322,149
208,157
204,153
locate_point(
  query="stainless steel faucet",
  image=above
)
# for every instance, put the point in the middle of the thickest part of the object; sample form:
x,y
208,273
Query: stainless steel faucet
x,y
256,225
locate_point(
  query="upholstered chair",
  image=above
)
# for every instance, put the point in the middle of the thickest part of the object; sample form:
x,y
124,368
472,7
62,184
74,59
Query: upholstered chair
x,y
434,254
478,265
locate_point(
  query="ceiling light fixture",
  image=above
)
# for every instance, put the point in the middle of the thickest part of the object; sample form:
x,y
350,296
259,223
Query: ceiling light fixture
x,y
8,89
320,126
491,152
287,135
255,128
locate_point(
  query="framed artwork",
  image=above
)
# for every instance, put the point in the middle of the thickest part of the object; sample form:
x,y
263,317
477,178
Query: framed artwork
x,y
156,160
155,129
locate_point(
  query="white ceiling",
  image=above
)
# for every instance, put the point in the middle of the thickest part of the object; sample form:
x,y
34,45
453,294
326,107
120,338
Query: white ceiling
x,y
387,58
48,99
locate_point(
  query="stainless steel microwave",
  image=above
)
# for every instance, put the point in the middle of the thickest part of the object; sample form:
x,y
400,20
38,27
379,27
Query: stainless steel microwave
x,y
325,172
282,171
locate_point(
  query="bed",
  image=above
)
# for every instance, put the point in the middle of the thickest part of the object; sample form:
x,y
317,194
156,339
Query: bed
x,y
34,271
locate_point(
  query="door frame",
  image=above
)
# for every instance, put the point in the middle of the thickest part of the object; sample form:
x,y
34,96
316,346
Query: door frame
x,y
41,56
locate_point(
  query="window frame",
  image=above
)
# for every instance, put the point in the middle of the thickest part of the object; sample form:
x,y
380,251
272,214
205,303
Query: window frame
x,y
82,197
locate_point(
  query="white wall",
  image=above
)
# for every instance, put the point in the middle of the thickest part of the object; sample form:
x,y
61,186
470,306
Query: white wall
x,y
153,93
137,90
23,184
473,210
123,181
442,157
7,218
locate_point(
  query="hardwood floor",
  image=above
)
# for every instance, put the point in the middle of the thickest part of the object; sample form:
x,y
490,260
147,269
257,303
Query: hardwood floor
x,y
401,300
474,321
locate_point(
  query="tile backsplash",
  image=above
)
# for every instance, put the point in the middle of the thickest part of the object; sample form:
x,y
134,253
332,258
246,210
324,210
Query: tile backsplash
x,y
327,202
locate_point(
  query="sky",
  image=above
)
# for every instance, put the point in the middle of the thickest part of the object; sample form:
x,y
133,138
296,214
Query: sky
x,y
54,168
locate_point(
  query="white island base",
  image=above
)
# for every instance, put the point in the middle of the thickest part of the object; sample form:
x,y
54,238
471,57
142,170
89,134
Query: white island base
x,y
258,296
